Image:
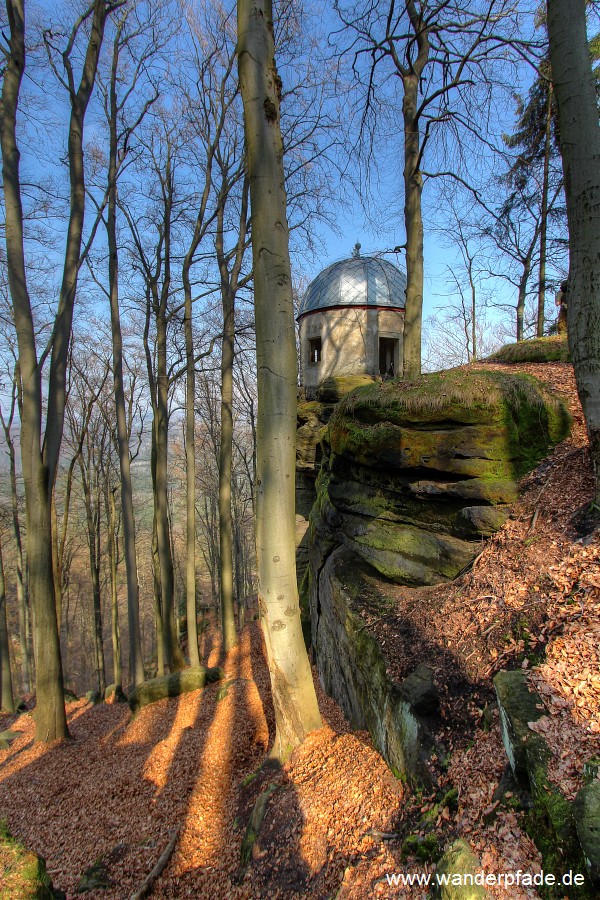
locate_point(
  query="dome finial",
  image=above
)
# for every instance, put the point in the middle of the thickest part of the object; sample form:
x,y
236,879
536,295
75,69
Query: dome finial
x,y
356,251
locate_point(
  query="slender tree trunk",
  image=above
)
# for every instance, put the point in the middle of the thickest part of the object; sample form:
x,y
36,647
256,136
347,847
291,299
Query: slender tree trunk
x,y
20,580
158,609
239,572
173,656
541,307
6,686
474,347
413,221
575,90
211,551
157,301
229,285
225,464
50,716
93,524
190,474
56,563
136,662
294,699
111,518
522,296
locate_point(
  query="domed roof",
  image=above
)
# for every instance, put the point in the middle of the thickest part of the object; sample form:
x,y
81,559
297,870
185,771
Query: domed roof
x,y
359,281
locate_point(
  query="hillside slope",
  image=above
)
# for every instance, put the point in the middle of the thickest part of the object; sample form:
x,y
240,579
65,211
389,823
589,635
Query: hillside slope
x,y
338,823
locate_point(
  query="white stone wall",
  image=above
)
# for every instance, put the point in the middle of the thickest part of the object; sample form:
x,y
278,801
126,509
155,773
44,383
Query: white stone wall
x,y
349,341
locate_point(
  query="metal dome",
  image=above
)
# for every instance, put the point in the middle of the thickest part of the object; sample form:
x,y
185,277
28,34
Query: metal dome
x,y
359,281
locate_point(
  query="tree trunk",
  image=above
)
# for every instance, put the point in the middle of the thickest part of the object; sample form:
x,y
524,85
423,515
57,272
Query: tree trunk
x,y
136,662
159,388
79,100
20,580
575,90
413,221
225,462
50,716
173,656
541,307
229,285
93,523
6,687
190,473
56,562
294,699
158,610
114,598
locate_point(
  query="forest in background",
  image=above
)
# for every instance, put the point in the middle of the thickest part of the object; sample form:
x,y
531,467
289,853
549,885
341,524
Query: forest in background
x,y
159,277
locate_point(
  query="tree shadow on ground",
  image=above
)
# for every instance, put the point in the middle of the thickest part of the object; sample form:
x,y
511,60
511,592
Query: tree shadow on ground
x,y
112,793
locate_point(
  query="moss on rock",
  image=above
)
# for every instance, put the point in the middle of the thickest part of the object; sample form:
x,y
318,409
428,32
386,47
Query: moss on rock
x,y
457,870
173,685
537,350
24,873
551,821
517,706
587,819
333,389
407,554
415,473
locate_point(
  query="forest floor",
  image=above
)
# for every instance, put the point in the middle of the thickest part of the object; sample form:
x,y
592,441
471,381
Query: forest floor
x,y
335,824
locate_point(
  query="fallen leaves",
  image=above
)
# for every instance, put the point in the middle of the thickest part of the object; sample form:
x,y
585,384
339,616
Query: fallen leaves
x,y
120,787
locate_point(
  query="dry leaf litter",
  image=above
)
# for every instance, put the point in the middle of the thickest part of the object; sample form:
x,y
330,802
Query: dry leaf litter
x,y
335,822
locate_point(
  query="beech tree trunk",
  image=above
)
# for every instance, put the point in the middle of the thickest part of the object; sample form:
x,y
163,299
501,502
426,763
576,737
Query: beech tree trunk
x,y
40,456
225,463
413,221
158,610
541,307
190,469
50,693
575,90
6,687
20,575
111,518
92,515
522,295
136,662
294,699
157,298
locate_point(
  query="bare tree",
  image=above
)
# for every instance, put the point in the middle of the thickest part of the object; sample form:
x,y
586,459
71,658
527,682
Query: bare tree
x,y
21,585
213,125
39,452
294,699
6,686
446,56
134,48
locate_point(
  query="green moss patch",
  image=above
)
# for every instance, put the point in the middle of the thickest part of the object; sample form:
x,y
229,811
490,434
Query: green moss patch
x,y
332,389
538,350
474,423
551,823
183,682
23,872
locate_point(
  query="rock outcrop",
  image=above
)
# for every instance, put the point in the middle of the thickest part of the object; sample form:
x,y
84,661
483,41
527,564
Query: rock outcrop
x,y
411,477
313,416
414,474
567,834
353,669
